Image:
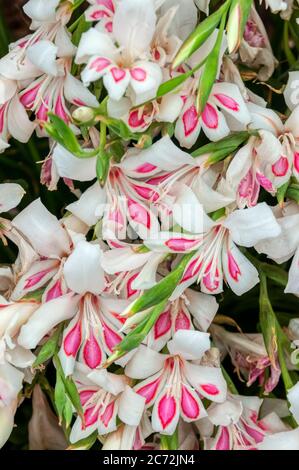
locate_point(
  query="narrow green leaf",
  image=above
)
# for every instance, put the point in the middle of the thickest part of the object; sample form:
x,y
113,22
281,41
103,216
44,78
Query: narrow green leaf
x,y
59,396
163,289
293,192
210,70
68,412
84,444
222,148
102,166
70,387
49,348
133,339
281,192
200,35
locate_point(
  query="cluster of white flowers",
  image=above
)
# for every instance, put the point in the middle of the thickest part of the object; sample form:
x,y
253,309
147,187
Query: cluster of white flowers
x,y
121,293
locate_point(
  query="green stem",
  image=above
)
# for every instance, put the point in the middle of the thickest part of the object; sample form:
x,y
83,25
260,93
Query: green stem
x,y
289,54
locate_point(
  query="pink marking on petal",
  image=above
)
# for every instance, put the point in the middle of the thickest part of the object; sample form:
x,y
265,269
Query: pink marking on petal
x,y
227,101
118,74
162,325
138,74
210,279
182,321
136,120
130,290
190,120
145,168
85,395
149,390
92,353
90,416
192,269
2,115
223,441
256,435
181,244
109,26
42,113
116,216
106,3
99,14
108,414
60,109
280,168
27,99
145,192
166,410
264,182
36,278
138,213
99,64
78,102
55,291
296,161
233,267
189,405
112,339
158,179
210,116
72,341
210,389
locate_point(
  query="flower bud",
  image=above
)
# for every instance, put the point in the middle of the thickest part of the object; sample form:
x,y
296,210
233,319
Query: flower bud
x,y
84,114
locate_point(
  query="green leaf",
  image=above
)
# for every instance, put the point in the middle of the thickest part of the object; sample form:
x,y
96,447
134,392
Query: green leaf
x,y
62,133
68,413
70,387
273,336
84,444
281,192
163,289
49,348
210,70
170,442
222,148
238,16
199,35
133,339
293,192
102,166
119,128
59,396
79,27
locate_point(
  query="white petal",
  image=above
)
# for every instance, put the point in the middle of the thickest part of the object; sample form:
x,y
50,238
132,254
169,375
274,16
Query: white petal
x,y
288,440
42,229
189,344
131,407
249,226
293,284
83,271
10,196
45,318
134,25
69,166
213,123
123,259
239,273
7,415
144,363
265,118
208,381
116,82
203,308
189,213
43,55
76,93
39,10
19,124
291,91
7,89
63,41
90,206
293,399
94,43
227,96
291,124
146,77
